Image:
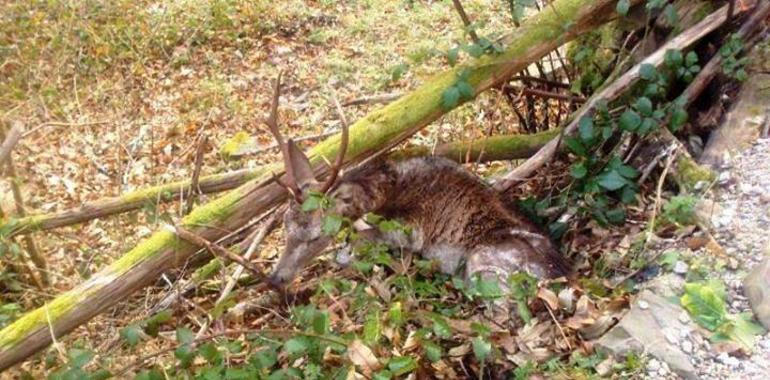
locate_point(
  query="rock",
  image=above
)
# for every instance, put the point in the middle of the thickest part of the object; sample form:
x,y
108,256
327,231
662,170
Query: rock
x,y
757,289
668,285
764,198
707,212
643,331
681,267
687,346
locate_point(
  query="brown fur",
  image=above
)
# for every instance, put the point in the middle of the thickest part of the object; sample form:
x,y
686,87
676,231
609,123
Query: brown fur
x,y
455,218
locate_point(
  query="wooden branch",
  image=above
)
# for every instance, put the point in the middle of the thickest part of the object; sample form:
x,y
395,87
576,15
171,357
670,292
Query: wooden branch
x,y
130,201
379,131
552,95
373,99
214,248
504,147
612,91
11,139
194,189
466,20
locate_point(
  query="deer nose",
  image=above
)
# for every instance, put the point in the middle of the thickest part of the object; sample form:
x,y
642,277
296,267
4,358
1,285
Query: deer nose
x,y
276,281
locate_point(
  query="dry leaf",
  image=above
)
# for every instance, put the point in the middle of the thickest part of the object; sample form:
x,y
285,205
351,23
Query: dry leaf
x,y
363,357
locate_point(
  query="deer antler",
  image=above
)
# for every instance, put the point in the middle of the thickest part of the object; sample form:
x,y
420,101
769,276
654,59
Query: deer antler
x,y
335,170
272,123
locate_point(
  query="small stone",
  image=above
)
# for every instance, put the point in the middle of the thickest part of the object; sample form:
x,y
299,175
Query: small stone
x,y
653,365
644,305
684,317
687,346
662,372
681,267
724,177
764,198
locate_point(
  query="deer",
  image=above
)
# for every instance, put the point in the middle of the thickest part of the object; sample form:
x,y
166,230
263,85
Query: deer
x,y
455,218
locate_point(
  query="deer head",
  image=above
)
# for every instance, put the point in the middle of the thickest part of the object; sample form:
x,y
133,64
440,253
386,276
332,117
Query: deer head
x,y
304,236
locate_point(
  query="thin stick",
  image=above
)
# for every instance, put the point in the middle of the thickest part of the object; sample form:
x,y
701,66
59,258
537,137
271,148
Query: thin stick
x,y
269,225
34,254
373,99
194,189
11,139
553,95
62,124
558,325
214,248
466,21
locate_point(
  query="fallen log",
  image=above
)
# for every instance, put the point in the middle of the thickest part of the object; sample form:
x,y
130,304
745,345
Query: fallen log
x,y
495,148
379,131
610,92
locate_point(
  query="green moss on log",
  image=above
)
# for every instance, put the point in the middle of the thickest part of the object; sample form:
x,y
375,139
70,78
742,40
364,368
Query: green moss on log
x,y
379,130
688,173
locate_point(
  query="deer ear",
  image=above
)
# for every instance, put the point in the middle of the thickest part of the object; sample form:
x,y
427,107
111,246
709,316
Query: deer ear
x,y
303,172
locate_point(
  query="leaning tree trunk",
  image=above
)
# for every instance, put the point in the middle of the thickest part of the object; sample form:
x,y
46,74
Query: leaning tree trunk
x,y
494,148
380,130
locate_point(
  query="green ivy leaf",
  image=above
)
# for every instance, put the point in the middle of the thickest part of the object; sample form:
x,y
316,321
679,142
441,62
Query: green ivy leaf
x,y
312,202
185,354
296,346
673,58
704,304
644,106
401,365
432,351
481,348
78,358
264,359
210,352
672,17
466,90
331,224
321,324
678,118
575,146
627,171
452,56
691,59
450,97
622,7
184,335
648,72
441,328
616,215
474,50
586,128
131,334
629,121
578,170
611,180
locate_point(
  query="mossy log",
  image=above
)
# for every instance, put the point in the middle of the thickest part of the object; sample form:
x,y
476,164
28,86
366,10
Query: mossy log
x,y
495,148
380,130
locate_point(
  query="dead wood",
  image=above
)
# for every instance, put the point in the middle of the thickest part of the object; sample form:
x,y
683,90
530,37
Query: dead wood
x,y
11,139
612,91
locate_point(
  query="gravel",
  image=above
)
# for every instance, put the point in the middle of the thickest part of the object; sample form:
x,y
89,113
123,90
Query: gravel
x,y
741,228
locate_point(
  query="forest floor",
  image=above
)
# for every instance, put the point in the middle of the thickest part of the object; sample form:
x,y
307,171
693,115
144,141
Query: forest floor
x,y
116,94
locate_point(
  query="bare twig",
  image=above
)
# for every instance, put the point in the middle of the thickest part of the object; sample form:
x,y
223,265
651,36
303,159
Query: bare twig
x,y
335,170
553,95
34,254
62,124
11,138
194,189
214,248
466,21
269,225
548,82
373,99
